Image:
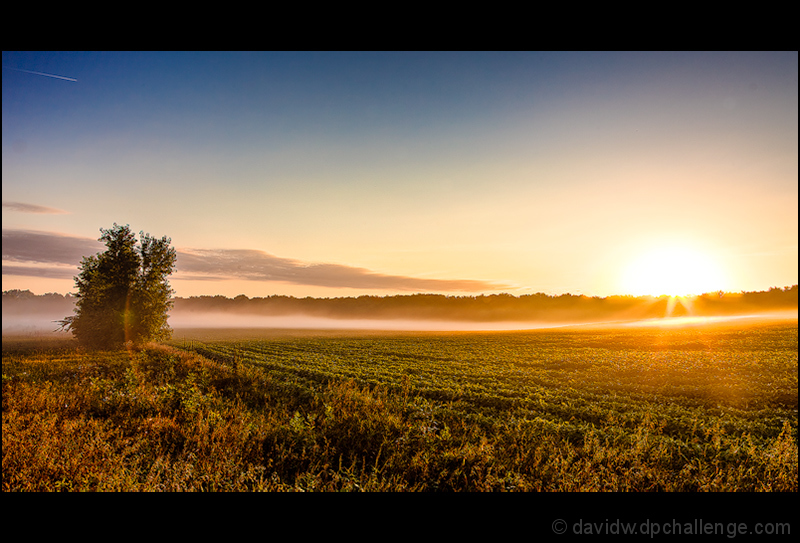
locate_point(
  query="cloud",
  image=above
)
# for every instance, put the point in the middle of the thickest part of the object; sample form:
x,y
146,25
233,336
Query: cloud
x,y
46,247
260,266
33,271
31,208
28,246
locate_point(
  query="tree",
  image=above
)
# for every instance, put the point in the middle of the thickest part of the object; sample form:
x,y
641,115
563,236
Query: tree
x,y
123,293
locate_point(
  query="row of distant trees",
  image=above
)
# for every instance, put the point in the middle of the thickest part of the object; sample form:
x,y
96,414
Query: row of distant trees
x,y
499,307
495,307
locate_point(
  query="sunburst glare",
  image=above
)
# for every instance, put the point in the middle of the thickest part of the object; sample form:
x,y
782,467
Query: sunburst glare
x,y
674,271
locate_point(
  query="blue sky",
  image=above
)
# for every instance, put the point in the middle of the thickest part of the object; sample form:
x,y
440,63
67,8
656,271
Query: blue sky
x,y
337,174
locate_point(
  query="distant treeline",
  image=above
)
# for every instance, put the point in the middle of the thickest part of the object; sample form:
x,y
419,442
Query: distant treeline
x,y
24,301
499,307
484,308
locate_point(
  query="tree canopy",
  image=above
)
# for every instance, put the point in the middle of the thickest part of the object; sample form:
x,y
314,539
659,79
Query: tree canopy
x,y
123,293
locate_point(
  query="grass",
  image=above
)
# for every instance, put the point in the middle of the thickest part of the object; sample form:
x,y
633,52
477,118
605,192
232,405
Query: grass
x,y
707,408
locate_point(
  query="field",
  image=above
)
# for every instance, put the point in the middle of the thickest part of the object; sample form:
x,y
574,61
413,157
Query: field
x,y
706,407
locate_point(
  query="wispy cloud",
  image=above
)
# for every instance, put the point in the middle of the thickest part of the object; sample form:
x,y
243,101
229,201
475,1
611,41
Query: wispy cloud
x,y
51,272
46,247
261,266
28,246
32,208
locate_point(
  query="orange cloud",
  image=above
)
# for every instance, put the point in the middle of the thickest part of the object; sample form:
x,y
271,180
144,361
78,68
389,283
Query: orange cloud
x,y
255,265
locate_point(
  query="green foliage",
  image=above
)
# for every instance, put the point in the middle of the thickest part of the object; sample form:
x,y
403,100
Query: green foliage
x,y
123,293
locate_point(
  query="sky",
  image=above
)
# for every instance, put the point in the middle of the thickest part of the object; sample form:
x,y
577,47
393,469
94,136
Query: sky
x,y
332,174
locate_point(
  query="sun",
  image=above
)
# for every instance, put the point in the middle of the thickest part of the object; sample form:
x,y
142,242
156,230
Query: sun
x,y
674,271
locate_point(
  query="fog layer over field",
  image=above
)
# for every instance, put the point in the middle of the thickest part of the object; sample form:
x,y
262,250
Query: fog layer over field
x,y
43,324
24,312
223,320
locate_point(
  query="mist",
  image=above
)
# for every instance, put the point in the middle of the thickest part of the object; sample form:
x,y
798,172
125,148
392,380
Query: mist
x,y
30,324
27,313
224,320
39,324
45,324
227,320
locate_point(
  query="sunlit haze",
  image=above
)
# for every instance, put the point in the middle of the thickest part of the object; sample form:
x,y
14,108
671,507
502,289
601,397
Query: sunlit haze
x,y
343,174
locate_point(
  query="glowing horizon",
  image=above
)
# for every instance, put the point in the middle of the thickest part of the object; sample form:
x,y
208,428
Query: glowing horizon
x,y
678,271
342,174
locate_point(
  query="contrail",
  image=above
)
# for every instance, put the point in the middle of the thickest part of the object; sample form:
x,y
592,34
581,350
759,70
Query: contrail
x,y
41,73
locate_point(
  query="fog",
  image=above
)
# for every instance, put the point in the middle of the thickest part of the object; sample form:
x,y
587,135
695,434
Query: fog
x,y
697,320
305,322
26,313
226,320
43,324
29,324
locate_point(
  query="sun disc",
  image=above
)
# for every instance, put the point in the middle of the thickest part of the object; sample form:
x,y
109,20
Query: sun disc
x,y
674,271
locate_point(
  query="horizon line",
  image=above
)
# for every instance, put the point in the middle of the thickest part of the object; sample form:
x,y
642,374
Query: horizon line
x,y
785,288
